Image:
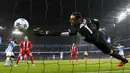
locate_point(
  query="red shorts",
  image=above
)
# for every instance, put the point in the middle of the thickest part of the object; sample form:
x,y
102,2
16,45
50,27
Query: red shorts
x,y
27,52
74,53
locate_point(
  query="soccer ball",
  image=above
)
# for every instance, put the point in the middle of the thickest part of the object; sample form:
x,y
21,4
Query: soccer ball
x,y
21,24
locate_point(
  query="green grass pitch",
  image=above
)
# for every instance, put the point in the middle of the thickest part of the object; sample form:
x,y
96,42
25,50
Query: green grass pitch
x,y
63,66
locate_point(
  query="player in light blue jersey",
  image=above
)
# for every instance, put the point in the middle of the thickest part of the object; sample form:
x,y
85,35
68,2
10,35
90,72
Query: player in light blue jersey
x,y
9,51
121,50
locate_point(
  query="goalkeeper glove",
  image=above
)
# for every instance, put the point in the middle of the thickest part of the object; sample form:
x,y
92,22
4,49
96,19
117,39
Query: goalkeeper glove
x,y
40,32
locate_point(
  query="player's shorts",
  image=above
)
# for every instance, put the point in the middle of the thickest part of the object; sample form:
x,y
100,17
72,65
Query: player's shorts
x,y
27,52
74,53
9,53
85,55
121,53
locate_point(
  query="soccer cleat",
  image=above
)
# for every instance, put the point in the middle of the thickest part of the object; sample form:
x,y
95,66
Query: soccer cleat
x,y
16,65
122,63
76,62
7,65
33,64
70,62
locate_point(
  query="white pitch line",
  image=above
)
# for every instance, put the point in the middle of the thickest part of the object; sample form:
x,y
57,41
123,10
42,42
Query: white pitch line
x,y
107,71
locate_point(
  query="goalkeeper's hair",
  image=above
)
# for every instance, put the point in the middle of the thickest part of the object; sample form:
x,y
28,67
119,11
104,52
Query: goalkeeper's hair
x,y
77,15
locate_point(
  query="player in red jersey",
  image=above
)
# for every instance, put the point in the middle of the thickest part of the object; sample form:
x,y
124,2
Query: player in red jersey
x,y
25,47
74,52
23,58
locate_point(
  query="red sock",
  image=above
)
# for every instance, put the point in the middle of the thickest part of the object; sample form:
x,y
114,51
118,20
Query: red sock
x,y
70,59
18,58
31,58
76,59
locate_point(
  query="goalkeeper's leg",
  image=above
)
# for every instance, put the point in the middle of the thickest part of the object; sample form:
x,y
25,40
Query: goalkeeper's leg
x,y
106,48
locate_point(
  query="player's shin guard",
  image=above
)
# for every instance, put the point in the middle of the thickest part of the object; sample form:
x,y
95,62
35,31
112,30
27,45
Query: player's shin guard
x,y
18,60
31,58
70,59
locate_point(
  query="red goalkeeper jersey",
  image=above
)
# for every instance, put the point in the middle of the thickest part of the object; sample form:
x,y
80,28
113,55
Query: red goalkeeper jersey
x,y
74,49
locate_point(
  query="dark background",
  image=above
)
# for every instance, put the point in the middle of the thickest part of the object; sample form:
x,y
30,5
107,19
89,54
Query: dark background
x,y
54,15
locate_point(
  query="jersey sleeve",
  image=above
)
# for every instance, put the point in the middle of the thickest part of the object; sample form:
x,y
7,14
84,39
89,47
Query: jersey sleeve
x,y
13,43
30,44
76,48
123,46
70,49
68,32
21,45
72,31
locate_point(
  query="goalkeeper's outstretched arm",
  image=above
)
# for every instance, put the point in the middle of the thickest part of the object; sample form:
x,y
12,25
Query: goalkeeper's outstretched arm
x,y
69,32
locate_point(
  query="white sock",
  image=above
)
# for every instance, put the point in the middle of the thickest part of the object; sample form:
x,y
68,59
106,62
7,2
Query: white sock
x,y
21,57
7,60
